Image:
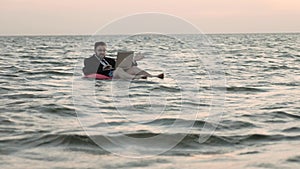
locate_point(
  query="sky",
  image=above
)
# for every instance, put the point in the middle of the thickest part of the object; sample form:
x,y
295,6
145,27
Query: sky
x,y
85,17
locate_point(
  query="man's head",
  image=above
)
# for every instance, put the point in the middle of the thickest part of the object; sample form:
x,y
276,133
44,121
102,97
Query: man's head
x,y
100,49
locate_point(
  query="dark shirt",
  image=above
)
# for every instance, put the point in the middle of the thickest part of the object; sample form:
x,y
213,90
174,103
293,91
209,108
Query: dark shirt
x,y
92,65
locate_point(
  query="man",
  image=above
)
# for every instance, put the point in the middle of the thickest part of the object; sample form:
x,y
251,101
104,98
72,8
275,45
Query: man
x,y
99,64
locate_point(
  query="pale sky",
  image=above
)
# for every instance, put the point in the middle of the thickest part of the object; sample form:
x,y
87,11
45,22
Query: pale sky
x,y
85,17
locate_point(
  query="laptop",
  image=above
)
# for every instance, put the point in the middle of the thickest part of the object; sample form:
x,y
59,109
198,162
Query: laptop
x,y
124,59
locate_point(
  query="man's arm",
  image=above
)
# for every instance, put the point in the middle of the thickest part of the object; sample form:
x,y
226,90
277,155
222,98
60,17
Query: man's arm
x,y
112,62
85,69
89,66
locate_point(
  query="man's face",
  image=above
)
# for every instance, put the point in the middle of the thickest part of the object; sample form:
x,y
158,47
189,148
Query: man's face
x,y
100,51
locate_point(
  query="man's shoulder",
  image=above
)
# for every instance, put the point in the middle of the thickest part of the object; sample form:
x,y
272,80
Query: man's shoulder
x,y
91,58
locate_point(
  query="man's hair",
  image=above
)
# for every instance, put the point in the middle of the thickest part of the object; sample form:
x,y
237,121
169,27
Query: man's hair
x,y
99,44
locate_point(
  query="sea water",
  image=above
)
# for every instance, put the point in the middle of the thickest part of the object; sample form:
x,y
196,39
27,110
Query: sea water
x,y
51,117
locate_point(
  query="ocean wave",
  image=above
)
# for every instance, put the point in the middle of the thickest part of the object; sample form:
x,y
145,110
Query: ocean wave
x,y
188,141
235,125
292,129
62,110
166,88
280,67
237,89
287,84
295,159
283,114
61,73
24,96
272,116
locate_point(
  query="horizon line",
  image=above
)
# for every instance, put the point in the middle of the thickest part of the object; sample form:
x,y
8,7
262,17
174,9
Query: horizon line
x,y
208,33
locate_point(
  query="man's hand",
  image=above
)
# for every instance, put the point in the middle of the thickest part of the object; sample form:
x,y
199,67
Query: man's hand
x,y
107,67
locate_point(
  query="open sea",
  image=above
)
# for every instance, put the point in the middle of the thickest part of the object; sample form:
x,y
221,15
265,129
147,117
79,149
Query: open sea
x,y
227,101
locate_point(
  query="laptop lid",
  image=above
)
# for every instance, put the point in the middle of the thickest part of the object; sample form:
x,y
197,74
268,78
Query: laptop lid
x,y
124,59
